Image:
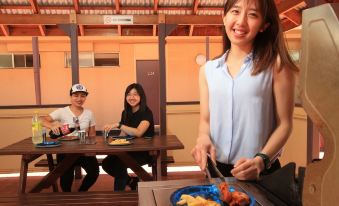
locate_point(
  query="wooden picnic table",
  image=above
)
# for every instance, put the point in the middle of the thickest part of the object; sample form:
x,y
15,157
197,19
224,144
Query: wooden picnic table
x,y
71,198
74,150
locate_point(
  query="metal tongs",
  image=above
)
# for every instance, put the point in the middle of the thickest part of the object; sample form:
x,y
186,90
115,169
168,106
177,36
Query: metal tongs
x,y
211,165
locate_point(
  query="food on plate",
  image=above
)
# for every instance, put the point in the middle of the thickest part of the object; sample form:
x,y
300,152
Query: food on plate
x,y
119,142
234,198
226,195
239,199
195,201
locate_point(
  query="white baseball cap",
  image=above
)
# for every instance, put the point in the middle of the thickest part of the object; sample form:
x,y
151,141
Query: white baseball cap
x,y
78,88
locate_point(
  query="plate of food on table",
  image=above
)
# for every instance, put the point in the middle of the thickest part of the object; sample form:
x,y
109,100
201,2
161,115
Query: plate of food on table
x,y
218,194
119,142
127,137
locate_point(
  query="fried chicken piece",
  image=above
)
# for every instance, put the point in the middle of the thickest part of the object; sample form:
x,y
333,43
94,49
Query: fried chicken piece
x,y
239,199
226,195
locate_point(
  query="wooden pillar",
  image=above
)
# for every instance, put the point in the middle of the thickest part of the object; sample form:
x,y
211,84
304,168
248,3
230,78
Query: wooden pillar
x,y
163,30
72,31
36,66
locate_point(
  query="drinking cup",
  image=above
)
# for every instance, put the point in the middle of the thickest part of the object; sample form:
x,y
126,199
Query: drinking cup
x,y
82,136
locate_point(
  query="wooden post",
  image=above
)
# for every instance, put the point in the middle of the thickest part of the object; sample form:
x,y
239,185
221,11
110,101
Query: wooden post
x,y
36,65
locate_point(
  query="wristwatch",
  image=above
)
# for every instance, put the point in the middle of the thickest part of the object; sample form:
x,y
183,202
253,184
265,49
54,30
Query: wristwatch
x,y
266,159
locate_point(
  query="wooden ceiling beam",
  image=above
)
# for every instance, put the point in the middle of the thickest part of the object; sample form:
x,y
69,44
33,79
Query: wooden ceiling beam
x,y
294,16
117,6
119,30
42,29
34,6
35,19
76,6
154,29
287,25
195,6
5,29
191,30
82,19
82,30
156,2
138,8
287,5
194,19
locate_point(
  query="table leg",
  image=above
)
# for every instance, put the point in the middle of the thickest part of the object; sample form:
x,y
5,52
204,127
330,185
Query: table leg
x,y
131,163
153,154
25,159
51,168
60,169
163,155
23,174
158,166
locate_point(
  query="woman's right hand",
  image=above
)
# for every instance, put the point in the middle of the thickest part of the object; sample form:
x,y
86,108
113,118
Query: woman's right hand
x,y
203,147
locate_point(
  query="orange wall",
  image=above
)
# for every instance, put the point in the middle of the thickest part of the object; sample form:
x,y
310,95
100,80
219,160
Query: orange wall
x,y
106,85
182,70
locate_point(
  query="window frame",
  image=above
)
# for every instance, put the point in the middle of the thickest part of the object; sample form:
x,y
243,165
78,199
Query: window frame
x,y
68,54
13,61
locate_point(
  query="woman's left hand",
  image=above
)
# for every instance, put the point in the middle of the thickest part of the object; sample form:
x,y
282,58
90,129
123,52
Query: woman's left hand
x,y
248,169
108,127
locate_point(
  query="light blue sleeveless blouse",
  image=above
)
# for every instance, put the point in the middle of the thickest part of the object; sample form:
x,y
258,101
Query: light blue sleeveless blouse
x,y
241,109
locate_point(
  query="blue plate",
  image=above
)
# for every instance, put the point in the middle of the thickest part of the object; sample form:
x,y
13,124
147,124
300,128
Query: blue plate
x,y
123,137
48,144
206,191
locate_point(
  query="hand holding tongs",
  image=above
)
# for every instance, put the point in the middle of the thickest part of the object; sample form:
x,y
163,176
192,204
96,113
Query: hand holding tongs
x,y
213,166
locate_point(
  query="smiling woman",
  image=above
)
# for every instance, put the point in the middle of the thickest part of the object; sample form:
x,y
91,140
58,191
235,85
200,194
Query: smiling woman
x,y
136,120
251,82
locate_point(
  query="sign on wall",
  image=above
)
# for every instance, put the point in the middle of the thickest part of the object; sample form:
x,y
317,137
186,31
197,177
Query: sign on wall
x,y
118,19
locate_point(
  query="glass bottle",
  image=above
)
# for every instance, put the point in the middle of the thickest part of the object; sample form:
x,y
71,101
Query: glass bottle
x,y
36,129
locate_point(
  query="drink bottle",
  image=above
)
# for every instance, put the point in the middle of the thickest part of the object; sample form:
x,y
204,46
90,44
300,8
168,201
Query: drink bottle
x,y
76,123
36,129
63,130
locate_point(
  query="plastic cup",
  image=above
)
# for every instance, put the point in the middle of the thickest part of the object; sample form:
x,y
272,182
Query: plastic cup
x,y
82,136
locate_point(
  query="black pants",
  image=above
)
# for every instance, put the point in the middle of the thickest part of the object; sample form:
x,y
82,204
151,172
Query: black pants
x,y
90,165
117,169
225,169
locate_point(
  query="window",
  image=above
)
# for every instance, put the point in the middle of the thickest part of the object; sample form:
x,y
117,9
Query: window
x,y
106,59
90,59
6,61
16,60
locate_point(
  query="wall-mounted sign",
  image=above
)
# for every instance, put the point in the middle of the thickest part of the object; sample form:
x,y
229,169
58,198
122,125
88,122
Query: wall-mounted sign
x,y
118,19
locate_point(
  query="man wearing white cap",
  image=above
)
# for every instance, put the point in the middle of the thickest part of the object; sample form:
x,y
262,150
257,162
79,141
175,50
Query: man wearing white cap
x,y
85,119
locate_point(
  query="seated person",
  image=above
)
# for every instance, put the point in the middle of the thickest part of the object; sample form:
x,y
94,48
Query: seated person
x,y
66,115
136,120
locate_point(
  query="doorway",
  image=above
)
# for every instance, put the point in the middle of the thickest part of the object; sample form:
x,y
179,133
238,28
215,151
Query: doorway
x,y
148,77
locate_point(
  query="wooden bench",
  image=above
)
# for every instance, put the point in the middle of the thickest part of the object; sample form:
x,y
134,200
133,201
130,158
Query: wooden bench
x,y
71,198
44,163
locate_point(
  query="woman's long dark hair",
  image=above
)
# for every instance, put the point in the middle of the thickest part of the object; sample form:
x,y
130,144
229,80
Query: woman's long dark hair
x,y
142,105
269,44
